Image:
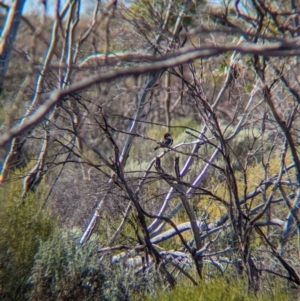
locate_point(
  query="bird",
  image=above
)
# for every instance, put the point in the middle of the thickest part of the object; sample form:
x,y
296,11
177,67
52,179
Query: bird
x,y
167,141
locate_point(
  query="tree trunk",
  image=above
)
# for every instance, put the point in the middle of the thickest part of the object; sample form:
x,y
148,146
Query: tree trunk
x,y
9,33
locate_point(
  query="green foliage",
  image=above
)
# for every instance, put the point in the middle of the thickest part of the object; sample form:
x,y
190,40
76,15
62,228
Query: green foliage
x,y
23,228
64,270
220,289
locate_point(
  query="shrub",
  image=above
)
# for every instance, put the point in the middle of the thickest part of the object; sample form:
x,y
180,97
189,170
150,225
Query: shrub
x,y
63,270
23,228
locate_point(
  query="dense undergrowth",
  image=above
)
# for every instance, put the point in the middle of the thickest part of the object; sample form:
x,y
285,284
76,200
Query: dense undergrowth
x,y
41,260
222,289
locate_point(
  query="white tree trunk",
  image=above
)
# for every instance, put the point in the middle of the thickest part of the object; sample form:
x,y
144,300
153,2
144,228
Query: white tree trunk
x,y
9,34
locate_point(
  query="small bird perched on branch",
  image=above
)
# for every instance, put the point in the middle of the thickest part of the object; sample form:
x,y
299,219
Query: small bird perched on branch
x,y
167,141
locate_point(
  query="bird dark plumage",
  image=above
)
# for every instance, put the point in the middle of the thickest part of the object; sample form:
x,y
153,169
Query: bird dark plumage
x,y
167,141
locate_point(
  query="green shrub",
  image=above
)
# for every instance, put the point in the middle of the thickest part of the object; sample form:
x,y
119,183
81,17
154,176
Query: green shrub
x,y
23,228
64,270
